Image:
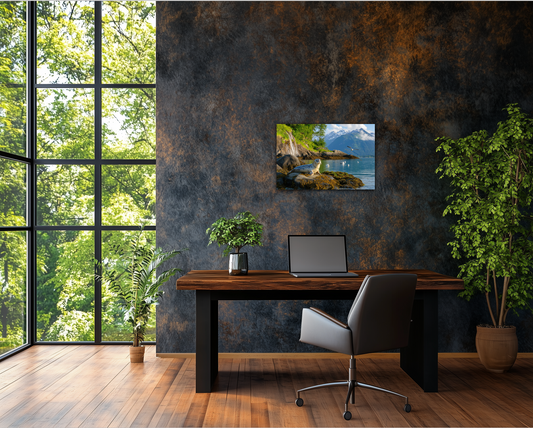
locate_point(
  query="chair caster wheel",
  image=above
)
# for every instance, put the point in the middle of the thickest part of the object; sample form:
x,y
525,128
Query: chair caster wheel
x,y
407,408
347,415
299,402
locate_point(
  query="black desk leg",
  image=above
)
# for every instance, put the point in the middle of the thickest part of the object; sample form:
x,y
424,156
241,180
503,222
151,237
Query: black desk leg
x,y
420,359
206,341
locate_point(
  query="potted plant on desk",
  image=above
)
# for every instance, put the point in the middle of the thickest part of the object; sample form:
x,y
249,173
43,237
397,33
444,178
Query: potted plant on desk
x,y
132,277
492,182
236,232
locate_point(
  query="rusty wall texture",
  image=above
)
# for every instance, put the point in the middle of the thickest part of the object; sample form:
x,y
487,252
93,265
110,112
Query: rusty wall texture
x,y
228,72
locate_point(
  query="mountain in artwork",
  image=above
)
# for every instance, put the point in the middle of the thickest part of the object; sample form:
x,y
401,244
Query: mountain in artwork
x,y
359,142
331,136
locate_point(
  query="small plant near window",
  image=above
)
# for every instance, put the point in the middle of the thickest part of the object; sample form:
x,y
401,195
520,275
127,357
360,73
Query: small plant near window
x,y
132,277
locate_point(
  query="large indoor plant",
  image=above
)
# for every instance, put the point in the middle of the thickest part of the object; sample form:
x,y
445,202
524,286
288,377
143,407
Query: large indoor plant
x,y
492,192
236,232
132,277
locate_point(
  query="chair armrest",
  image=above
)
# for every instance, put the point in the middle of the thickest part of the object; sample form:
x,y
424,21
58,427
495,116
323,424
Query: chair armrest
x,y
329,317
320,330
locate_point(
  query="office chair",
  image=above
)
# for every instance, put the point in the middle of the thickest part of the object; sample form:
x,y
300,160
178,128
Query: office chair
x,y
378,320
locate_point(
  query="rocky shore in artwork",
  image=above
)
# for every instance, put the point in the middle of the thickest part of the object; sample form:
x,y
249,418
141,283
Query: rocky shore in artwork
x,y
336,154
286,179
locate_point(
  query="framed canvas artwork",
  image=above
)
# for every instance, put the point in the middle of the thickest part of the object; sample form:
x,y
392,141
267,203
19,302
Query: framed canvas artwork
x,y
326,156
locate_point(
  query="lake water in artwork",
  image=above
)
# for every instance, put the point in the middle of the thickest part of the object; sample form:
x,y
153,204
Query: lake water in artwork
x,y
363,168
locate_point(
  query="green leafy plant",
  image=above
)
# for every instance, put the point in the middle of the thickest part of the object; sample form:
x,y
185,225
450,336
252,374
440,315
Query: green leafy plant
x,y
236,232
492,180
132,277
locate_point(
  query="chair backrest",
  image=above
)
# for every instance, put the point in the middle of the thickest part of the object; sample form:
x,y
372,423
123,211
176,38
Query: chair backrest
x,y
380,316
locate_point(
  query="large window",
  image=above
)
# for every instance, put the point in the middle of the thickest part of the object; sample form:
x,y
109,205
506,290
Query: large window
x,y
90,168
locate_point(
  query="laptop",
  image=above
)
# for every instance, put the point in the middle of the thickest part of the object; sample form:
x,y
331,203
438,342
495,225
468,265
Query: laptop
x,y
318,256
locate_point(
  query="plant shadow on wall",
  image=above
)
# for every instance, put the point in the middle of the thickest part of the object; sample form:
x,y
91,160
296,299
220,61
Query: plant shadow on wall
x,y
132,277
492,180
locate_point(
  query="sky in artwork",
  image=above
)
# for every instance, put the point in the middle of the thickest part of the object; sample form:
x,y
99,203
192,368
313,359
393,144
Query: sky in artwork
x,y
348,127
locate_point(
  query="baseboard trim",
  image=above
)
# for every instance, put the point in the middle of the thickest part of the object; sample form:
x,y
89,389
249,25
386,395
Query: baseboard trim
x,y
474,355
458,355
282,355
324,355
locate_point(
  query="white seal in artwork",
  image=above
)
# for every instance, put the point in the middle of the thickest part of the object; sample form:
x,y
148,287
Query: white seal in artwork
x,y
311,168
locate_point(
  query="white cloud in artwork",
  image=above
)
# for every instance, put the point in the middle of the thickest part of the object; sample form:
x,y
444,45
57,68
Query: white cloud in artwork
x,y
334,128
353,127
348,127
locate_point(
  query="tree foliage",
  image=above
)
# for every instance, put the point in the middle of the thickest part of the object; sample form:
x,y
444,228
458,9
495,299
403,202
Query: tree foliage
x,y
65,42
492,199
13,77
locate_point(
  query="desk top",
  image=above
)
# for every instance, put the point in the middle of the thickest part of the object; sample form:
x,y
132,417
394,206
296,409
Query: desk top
x,y
282,280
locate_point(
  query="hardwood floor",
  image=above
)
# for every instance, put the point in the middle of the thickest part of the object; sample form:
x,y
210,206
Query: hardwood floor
x,y
96,386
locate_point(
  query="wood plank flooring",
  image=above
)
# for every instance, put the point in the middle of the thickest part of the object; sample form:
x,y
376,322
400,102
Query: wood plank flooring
x,y
96,386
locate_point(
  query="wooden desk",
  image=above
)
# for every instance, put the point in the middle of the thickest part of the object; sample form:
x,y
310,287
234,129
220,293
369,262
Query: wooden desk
x,y
419,359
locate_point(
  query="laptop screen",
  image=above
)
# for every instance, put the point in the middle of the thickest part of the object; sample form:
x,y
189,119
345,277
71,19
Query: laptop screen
x,y
317,253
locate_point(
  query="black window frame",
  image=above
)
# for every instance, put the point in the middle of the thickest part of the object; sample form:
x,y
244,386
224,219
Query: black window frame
x,y
32,162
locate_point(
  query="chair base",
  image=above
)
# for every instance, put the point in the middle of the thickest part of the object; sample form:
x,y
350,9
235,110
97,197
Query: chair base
x,y
351,383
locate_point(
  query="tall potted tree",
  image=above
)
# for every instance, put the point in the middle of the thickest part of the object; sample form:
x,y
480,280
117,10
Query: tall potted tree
x,y
236,232
492,183
132,277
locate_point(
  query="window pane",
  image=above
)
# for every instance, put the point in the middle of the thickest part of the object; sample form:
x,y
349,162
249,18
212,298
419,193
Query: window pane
x,y
13,77
13,41
12,290
12,193
128,123
65,123
65,195
113,326
128,195
128,42
65,285
65,42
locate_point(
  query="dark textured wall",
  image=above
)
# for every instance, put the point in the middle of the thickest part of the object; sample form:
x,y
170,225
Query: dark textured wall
x,y
228,72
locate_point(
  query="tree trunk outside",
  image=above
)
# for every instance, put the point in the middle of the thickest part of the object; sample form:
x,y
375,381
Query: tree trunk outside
x,y
3,317
4,311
